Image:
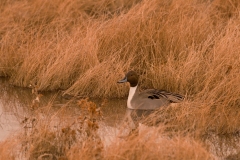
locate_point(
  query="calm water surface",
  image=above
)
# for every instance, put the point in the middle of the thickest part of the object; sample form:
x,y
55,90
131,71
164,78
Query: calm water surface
x,y
16,102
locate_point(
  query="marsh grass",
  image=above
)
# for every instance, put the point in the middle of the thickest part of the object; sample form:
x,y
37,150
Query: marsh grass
x,y
84,47
157,147
62,45
51,135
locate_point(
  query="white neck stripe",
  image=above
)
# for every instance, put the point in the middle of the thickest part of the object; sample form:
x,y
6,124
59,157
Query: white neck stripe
x,y
132,91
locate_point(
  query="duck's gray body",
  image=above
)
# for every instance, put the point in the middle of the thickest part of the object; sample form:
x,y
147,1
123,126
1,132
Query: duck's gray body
x,y
149,99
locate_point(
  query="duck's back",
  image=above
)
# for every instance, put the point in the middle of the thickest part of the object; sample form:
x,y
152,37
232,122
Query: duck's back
x,y
152,99
159,94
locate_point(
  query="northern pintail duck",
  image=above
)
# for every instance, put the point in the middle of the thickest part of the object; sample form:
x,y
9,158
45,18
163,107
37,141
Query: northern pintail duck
x,y
149,99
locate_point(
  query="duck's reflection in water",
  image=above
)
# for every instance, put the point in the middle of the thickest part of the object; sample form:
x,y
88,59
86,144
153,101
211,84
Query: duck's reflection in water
x,y
132,120
136,116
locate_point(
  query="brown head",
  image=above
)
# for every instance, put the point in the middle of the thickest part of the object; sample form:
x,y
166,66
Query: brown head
x,y
130,77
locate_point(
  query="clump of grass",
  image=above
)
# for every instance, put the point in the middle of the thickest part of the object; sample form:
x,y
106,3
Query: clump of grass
x,y
157,146
52,136
199,119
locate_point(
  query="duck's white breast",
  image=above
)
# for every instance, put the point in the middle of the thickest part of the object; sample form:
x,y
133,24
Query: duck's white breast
x,y
130,96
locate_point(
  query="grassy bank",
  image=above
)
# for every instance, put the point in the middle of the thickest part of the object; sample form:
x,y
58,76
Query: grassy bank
x,y
83,47
189,47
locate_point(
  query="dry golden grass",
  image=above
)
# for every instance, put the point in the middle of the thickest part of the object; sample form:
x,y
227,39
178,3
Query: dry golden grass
x,y
157,147
186,47
84,47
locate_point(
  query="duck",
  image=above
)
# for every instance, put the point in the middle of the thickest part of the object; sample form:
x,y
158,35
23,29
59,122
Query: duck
x,y
149,99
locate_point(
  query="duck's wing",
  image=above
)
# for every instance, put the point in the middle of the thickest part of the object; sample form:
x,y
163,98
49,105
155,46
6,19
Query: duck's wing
x,y
158,94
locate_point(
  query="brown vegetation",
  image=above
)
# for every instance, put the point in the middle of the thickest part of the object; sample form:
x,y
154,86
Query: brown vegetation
x,y
83,47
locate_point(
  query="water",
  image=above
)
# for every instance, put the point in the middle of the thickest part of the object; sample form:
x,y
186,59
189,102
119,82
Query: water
x,y
16,105
12,108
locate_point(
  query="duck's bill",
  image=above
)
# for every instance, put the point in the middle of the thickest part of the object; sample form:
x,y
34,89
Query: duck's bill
x,y
123,80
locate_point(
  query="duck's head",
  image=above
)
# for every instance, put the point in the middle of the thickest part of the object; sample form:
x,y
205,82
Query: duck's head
x,y
130,77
